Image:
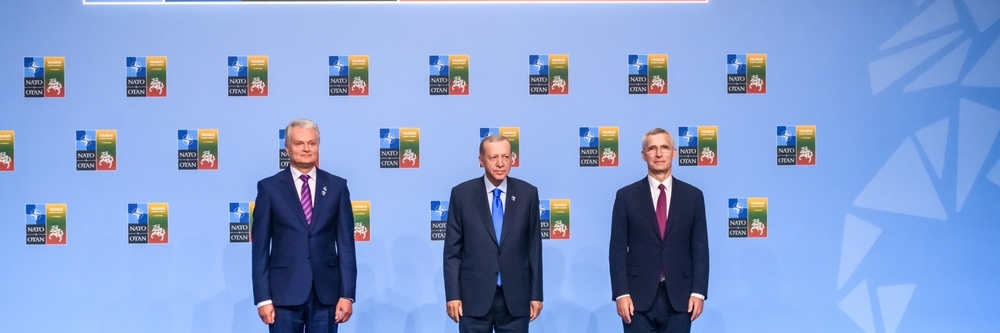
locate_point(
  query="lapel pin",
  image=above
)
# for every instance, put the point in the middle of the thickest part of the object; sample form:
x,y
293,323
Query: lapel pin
x,y
323,193
513,198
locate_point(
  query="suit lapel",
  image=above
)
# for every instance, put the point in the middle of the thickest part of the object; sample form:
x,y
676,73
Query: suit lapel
x,y
647,207
291,195
483,205
675,197
319,203
510,210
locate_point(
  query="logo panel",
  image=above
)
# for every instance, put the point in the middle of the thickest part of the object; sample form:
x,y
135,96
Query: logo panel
x,y
146,76
548,74
805,144
599,146
746,73
647,74
439,220
6,151
45,224
240,221
796,145
147,223
247,75
554,216
747,217
513,134
349,75
44,77
449,74
96,150
198,149
698,146
399,148
283,159
362,220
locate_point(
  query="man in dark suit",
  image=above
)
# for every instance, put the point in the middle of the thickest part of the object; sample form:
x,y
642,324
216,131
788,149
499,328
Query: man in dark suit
x,y
493,248
304,269
659,246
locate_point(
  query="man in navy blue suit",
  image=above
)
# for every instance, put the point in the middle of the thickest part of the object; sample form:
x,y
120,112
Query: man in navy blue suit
x,y
659,246
304,269
493,248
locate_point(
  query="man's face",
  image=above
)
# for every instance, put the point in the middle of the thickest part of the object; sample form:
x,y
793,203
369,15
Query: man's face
x,y
302,146
495,159
658,152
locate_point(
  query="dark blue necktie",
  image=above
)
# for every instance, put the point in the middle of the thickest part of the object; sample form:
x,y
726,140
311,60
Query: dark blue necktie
x,y
497,218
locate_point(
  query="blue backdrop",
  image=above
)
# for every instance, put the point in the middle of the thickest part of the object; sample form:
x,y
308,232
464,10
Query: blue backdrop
x,y
891,231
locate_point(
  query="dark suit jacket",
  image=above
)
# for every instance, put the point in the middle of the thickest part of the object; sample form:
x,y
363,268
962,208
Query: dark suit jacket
x,y
473,256
289,256
637,253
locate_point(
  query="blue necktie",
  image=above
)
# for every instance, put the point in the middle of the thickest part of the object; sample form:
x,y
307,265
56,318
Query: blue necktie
x,y
497,217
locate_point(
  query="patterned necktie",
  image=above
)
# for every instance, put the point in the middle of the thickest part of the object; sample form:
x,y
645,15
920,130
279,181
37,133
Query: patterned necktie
x,y
661,211
497,218
306,198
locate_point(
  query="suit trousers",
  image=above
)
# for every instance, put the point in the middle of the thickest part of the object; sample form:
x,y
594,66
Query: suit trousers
x,y
660,318
498,320
310,317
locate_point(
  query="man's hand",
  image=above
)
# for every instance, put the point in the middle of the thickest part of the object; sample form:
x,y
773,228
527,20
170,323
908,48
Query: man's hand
x,y
536,309
266,314
625,309
695,305
343,311
455,310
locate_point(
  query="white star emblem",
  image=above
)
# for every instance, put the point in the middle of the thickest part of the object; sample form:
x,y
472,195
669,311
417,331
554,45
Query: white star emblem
x,y
538,64
137,213
237,66
687,136
238,212
85,140
638,64
736,63
187,140
786,136
388,138
33,67
35,214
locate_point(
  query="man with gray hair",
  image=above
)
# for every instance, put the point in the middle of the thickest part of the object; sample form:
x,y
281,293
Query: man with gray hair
x,y
493,248
304,268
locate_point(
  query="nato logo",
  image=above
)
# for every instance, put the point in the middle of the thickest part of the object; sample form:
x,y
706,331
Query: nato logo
x,y
187,140
439,220
388,147
538,65
34,67
239,222
439,65
737,64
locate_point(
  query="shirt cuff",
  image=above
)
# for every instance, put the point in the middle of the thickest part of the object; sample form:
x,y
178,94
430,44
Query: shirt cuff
x,y
698,296
620,297
349,299
267,302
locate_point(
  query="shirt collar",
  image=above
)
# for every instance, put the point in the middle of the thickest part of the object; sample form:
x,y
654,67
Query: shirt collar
x,y
668,183
490,187
296,173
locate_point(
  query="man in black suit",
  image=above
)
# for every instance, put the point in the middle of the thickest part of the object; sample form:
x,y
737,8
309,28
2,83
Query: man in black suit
x,y
659,246
493,248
